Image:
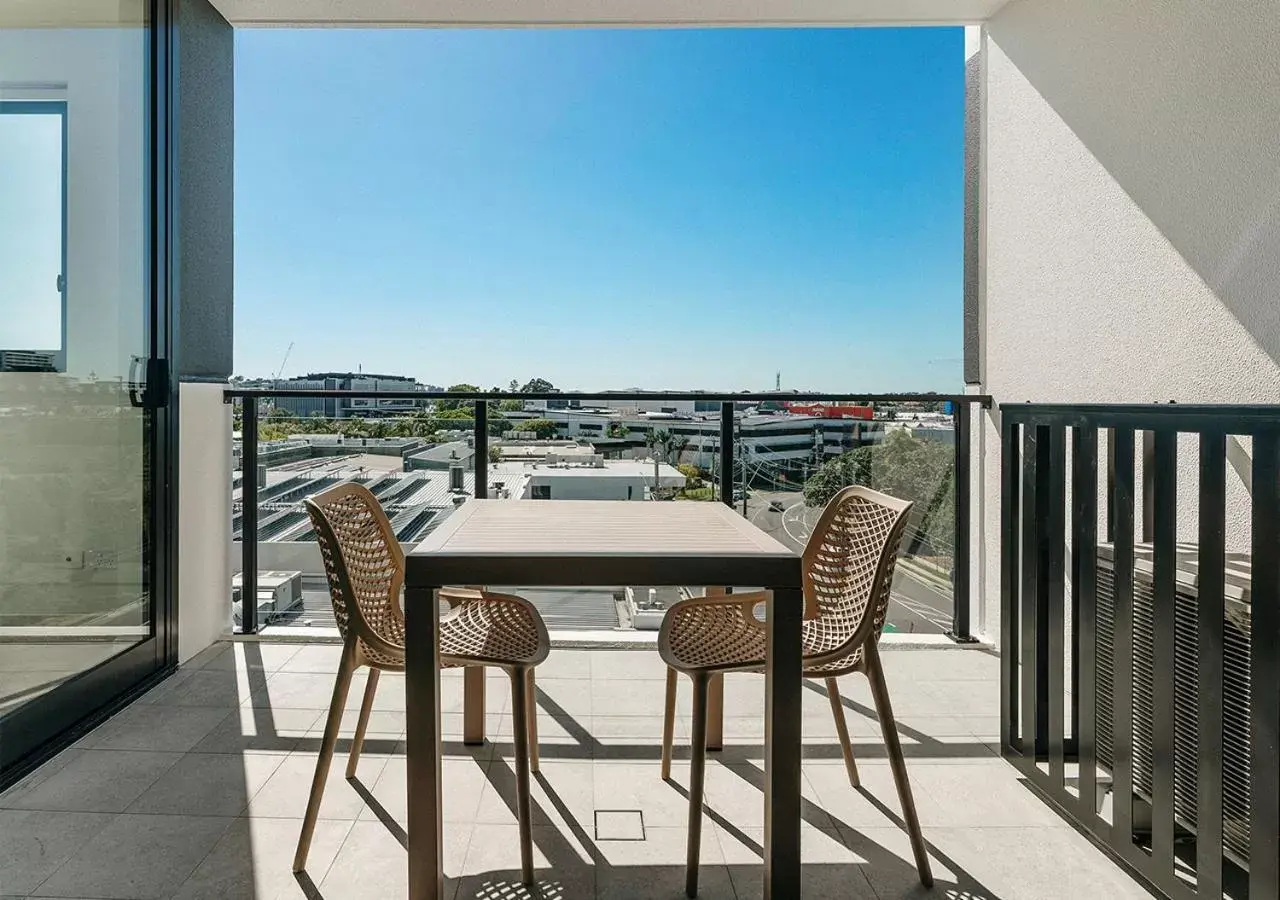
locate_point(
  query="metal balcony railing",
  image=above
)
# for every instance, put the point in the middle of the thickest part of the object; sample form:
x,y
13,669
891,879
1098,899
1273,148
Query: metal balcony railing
x,y
938,548
1140,687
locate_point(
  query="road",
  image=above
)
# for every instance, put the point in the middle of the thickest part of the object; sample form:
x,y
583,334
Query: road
x,y
915,604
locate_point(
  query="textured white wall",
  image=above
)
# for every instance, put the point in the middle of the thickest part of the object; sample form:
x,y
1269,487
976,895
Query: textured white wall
x,y
1131,216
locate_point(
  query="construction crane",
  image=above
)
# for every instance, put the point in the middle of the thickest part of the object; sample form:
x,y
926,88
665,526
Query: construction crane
x,y
280,371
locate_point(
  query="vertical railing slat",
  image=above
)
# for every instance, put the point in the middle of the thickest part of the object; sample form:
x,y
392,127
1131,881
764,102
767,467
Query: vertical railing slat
x,y
1162,504
480,437
1121,506
1084,609
960,624
1210,618
1053,548
726,453
1264,669
1010,479
249,516
1035,644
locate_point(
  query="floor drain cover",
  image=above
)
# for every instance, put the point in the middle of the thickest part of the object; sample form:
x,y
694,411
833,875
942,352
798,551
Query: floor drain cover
x,y
619,825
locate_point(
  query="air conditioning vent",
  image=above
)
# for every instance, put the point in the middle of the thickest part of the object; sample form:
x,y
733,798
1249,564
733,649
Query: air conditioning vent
x,y
1236,762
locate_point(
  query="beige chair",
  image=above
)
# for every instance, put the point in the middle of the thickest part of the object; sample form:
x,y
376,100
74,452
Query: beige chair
x,y
365,568
848,567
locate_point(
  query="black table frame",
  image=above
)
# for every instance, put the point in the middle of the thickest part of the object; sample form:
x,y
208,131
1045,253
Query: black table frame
x,y
427,572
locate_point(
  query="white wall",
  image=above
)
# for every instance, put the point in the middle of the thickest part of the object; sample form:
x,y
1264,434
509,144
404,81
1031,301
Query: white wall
x,y
204,517
1130,214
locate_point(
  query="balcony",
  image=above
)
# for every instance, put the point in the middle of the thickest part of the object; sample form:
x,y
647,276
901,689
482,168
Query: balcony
x,y
197,790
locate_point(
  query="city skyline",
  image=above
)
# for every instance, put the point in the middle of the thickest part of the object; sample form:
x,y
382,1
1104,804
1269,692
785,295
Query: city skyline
x,y
673,210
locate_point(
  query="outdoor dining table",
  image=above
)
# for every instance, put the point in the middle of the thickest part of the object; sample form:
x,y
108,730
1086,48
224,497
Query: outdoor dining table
x,y
567,543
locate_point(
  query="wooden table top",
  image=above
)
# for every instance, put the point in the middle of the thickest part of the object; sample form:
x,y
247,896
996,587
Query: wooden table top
x,y
575,541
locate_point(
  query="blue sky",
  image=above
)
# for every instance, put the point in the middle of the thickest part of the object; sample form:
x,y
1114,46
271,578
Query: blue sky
x,y
666,209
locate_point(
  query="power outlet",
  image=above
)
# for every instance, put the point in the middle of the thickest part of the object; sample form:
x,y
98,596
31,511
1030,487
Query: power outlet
x,y
100,559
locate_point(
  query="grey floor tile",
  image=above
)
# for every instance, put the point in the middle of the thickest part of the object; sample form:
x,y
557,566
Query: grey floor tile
x,y
43,772
285,793
830,868
736,793
257,656
564,696
625,664
654,869
625,785
463,781
561,793
627,697
979,796
137,858
206,687
261,730
491,870
322,659
254,859
567,664
34,843
372,863
306,690
207,655
97,781
152,727
208,784
874,803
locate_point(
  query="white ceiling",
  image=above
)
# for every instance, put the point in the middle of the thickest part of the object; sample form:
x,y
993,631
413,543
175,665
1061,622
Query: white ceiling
x,y
604,12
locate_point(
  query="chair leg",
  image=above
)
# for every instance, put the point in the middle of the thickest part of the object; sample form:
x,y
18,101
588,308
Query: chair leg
x,y
531,702
715,712
697,774
520,716
880,691
842,731
669,723
357,743
340,687
473,706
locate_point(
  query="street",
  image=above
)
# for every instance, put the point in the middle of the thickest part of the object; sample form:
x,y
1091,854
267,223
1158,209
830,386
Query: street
x,y
916,605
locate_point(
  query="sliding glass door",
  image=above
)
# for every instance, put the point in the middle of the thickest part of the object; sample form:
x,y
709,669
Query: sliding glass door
x,y
84,604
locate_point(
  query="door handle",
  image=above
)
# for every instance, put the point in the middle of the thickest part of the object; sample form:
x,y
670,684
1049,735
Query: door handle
x,y
153,392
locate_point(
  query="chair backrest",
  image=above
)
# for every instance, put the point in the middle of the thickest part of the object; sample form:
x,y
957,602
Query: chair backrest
x,y
362,561
848,566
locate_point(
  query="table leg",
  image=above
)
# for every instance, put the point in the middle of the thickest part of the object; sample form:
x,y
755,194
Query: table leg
x,y
782,745
422,705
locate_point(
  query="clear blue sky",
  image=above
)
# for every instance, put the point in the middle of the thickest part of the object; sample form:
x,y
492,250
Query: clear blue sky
x,y
664,209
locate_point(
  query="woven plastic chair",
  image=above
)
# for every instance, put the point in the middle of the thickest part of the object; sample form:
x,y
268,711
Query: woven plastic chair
x,y
848,568
365,569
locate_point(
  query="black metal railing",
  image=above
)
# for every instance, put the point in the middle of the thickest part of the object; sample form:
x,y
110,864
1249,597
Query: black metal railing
x,y
1140,683
960,407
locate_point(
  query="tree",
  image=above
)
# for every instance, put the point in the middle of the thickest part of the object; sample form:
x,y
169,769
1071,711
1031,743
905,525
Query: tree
x,y
667,445
462,388
906,467
511,405
617,430
543,428
693,476
537,386
495,454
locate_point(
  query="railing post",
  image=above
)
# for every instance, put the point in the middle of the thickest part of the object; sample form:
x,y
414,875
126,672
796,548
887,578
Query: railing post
x,y
249,516
960,626
726,453
481,441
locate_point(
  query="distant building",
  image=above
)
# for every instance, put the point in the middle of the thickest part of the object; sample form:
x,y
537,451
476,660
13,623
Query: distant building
x,y
597,479
348,407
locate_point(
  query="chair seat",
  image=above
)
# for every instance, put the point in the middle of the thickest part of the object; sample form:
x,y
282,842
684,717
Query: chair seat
x,y
499,629
721,638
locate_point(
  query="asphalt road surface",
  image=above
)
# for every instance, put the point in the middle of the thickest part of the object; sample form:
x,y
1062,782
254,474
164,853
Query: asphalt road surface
x,y
915,605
